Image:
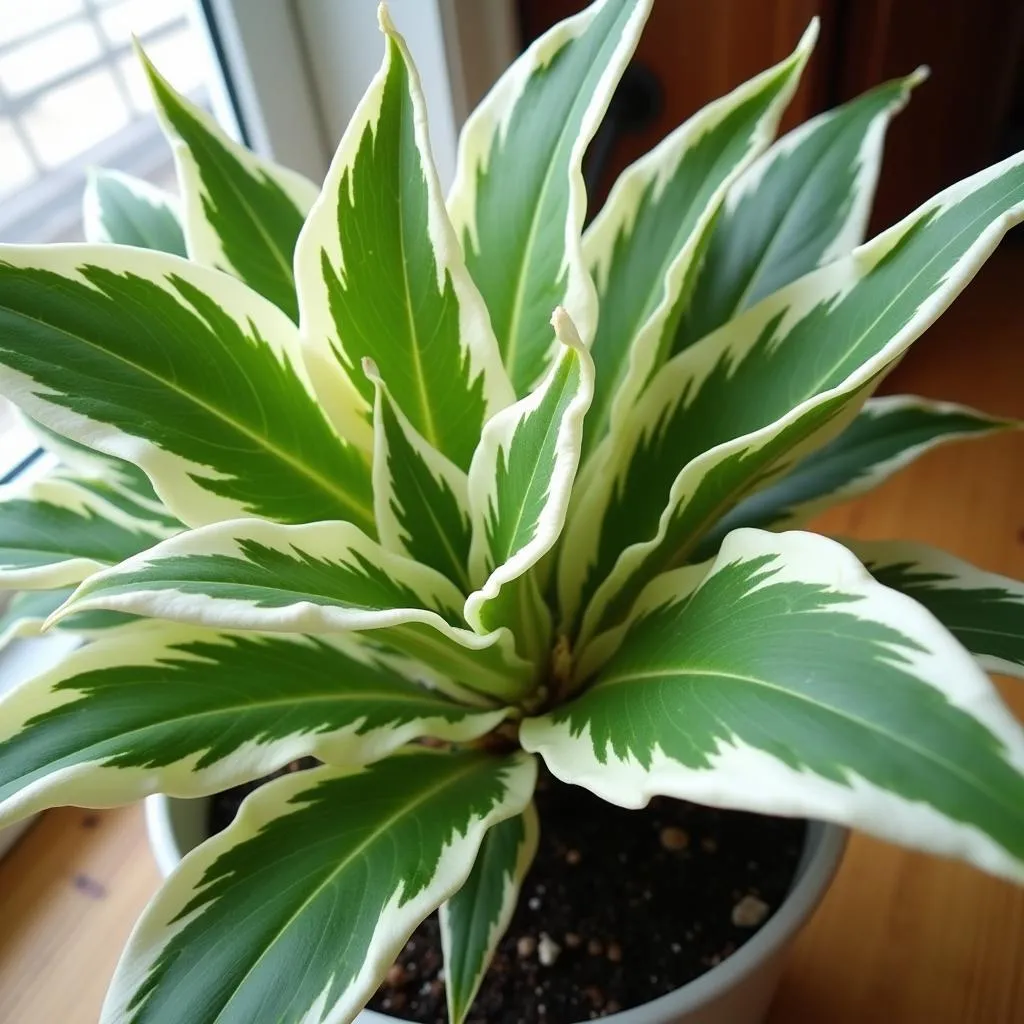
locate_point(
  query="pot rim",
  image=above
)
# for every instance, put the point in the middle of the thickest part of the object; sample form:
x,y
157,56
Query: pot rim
x,y
823,850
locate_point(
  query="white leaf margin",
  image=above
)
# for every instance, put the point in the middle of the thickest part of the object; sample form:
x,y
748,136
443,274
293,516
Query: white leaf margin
x,y
170,474
962,577
92,211
149,643
341,399
441,468
203,243
658,166
526,851
490,120
497,437
809,558
691,368
62,492
160,921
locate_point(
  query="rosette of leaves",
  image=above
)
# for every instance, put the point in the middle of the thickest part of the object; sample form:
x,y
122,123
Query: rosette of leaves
x,y
436,488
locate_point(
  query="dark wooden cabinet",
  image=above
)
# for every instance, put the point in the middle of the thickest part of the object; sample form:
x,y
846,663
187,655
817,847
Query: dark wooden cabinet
x,y
961,119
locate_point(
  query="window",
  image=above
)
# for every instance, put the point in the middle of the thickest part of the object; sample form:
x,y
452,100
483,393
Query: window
x,y
72,96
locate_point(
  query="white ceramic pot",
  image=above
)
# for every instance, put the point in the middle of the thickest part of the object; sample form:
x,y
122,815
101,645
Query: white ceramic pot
x,y
737,991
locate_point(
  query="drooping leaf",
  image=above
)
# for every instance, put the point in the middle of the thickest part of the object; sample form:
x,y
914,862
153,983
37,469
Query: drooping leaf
x,y
188,711
519,201
643,246
381,275
242,213
323,577
180,370
751,399
983,610
123,210
888,434
790,682
519,488
56,531
474,920
330,870
420,498
803,204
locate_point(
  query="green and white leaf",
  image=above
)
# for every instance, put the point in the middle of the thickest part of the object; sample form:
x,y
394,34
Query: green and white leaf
x,y
708,430
242,213
644,245
180,370
250,574
519,488
55,532
92,466
888,434
790,682
322,577
120,209
668,587
26,612
331,859
803,204
474,920
519,201
159,707
421,499
381,275
983,610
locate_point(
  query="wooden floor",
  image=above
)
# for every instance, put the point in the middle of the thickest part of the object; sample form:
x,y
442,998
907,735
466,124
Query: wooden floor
x,y
902,938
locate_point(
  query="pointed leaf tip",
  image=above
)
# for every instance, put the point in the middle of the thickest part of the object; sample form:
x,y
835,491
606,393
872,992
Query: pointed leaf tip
x,y
810,36
387,26
565,329
370,369
918,76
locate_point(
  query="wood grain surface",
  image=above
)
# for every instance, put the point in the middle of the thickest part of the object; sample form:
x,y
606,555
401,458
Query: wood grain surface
x,y
902,938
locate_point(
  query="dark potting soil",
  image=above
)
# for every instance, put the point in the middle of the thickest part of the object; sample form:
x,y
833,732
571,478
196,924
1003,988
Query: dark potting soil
x,y
619,907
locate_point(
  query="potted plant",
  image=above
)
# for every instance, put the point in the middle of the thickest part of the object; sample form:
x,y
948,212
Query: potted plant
x,y
436,492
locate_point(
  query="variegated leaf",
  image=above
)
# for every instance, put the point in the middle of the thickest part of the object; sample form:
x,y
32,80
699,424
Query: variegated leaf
x,y
92,465
519,201
55,531
26,612
477,916
790,682
673,586
643,246
803,204
984,611
888,434
474,920
187,711
421,498
123,210
708,430
180,370
323,577
381,275
519,488
331,870
242,213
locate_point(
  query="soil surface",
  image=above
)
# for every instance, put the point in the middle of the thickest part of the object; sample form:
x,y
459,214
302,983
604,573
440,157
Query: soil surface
x,y
621,907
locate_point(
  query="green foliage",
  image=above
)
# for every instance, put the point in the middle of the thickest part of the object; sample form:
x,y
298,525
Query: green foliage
x,y
373,471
